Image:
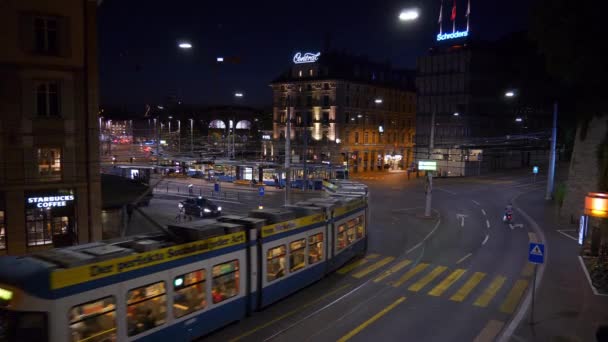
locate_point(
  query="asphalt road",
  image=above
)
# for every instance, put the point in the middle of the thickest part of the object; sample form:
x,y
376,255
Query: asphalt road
x,y
458,276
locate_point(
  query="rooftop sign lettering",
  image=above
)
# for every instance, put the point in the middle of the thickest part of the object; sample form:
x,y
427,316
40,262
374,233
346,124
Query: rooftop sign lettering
x,y
457,34
308,57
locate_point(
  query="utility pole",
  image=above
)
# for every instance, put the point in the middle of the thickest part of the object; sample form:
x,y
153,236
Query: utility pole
x,y
305,155
429,188
157,134
287,155
551,171
191,136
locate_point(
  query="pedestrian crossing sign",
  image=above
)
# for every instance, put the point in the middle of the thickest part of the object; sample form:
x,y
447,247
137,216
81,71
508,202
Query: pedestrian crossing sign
x,y
536,253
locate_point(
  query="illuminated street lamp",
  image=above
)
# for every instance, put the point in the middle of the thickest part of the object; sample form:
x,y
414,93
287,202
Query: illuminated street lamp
x,y
378,101
518,119
409,14
596,204
184,45
510,93
456,114
238,94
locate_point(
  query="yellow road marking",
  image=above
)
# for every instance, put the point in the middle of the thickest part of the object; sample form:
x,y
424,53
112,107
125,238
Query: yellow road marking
x,y
509,305
290,313
373,267
464,291
490,292
392,270
528,270
372,256
490,331
352,266
417,286
371,320
410,274
532,237
447,282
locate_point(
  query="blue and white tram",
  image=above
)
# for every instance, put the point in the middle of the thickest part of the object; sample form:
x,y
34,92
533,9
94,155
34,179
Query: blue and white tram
x,y
153,288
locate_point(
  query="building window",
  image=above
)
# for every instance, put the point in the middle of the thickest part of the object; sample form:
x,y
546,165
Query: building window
x,y
308,101
315,248
226,279
47,99
326,118
94,321
275,263
297,255
365,137
356,137
46,35
299,73
326,86
308,87
347,101
42,225
2,231
311,72
326,100
190,293
146,308
347,117
49,163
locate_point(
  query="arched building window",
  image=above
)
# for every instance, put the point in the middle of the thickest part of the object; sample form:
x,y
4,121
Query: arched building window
x,y
219,124
243,124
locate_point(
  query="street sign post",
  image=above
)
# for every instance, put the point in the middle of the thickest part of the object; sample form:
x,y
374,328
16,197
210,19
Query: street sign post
x,y
534,172
261,191
216,187
427,165
536,255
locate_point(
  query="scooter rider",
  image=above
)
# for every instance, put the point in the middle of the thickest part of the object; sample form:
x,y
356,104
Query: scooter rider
x,y
508,211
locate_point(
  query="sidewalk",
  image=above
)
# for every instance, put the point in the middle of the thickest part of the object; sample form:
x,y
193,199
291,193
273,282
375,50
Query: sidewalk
x,y
566,309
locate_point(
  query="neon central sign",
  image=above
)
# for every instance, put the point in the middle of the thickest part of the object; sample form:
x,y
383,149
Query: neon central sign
x,y
52,201
457,34
306,58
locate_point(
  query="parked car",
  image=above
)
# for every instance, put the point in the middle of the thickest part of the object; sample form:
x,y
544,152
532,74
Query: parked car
x,y
201,207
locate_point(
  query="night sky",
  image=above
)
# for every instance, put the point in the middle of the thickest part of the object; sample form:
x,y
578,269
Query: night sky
x,y
141,64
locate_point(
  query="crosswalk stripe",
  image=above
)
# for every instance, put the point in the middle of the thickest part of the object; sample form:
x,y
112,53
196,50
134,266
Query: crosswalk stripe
x,y
528,270
372,256
409,274
417,286
464,291
352,266
373,267
447,282
392,270
510,303
490,331
484,299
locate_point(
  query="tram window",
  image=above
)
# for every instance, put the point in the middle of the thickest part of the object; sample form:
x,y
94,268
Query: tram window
x,y
297,255
146,308
315,248
360,227
94,321
276,263
350,232
190,293
225,281
341,241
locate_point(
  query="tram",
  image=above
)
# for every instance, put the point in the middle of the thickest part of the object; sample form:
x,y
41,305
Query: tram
x,y
183,283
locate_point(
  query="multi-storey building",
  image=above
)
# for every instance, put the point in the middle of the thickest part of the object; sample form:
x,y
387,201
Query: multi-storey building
x,y
49,136
345,110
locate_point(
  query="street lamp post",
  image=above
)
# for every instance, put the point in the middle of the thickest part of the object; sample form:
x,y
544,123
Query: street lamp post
x,y
288,154
191,136
429,189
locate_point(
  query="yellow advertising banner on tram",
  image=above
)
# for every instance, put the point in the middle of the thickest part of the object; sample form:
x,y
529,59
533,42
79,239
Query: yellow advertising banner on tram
x,y
286,226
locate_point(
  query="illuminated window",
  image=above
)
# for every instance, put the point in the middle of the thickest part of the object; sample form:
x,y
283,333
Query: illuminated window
x,y
47,99
225,283
275,263
356,137
243,124
2,231
299,73
341,241
315,248
146,308
360,227
297,255
46,35
41,226
365,137
190,293
217,124
49,163
94,321
311,72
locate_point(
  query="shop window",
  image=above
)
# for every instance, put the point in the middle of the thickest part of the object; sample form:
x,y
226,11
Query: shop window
x,y
225,283
42,225
47,99
94,321
190,293
2,231
297,255
276,263
146,308
49,163
315,248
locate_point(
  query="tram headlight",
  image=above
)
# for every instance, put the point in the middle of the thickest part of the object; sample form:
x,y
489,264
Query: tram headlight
x,y
206,210
219,208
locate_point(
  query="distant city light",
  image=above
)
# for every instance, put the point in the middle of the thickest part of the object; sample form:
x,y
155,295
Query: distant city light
x,y
238,94
219,59
456,114
160,107
185,45
380,129
338,140
409,15
378,101
519,119
509,94
359,116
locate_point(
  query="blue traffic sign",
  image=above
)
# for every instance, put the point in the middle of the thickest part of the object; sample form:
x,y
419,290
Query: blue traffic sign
x,y
535,170
261,191
216,187
536,253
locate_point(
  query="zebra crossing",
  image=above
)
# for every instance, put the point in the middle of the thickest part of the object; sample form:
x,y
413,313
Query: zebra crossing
x,y
456,284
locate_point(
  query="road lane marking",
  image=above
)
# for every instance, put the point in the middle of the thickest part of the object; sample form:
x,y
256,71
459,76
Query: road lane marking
x,y
465,289
488,223
448,191
352,266
528,270
485,240
373,267
425,238
483,212
489,332
510,303
290,313
484,299
392,270
409,274
463,258
447,282
474,201
563,232
532,237
371,320
417,286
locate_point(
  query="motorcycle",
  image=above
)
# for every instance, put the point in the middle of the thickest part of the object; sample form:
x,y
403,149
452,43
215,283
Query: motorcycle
x,y
508,217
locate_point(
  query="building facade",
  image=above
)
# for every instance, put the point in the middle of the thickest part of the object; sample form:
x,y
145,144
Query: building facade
x,y
345,110
49,136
